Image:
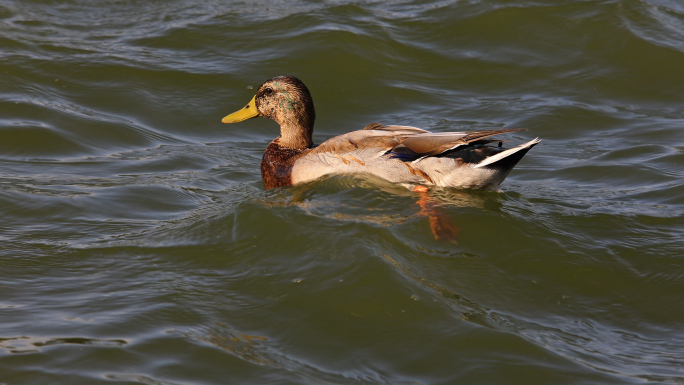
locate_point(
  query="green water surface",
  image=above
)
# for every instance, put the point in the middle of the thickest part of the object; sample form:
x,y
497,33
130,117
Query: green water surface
x,y
138,245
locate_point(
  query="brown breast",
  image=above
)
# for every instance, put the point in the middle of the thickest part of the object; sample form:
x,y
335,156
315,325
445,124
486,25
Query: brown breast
x,y
276,165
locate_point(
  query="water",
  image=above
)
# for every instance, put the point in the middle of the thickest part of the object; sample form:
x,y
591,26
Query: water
x,y
137,244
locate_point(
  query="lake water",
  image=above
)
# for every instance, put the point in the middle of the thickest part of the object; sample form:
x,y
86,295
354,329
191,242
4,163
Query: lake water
x,y
138,245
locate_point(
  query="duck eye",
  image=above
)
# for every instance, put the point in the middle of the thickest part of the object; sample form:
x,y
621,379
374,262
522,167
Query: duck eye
x,y
268,91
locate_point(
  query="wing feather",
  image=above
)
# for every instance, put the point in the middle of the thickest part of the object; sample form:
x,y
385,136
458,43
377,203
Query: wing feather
x,y
404,140
436,143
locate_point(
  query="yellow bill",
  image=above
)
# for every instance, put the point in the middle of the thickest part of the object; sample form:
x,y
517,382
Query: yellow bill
x,y
247,112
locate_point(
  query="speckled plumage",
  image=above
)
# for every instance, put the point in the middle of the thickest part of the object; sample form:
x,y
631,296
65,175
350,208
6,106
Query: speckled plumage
x,y
399,154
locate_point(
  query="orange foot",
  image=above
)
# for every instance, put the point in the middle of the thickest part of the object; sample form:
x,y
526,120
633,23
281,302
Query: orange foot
x,y
440,225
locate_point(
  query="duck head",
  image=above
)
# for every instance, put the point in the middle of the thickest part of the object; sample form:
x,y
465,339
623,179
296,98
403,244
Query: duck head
x,y
287,101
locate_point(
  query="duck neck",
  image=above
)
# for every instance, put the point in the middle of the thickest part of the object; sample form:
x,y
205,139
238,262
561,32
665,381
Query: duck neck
x,y
296,137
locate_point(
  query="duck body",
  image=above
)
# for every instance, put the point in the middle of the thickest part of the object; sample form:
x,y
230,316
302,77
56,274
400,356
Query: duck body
x,y
400,154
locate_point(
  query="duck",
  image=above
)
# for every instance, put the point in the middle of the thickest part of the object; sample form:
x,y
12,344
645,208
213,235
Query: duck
x,y
405,155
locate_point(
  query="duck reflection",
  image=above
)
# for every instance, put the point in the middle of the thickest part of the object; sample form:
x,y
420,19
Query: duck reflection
x,y
369,199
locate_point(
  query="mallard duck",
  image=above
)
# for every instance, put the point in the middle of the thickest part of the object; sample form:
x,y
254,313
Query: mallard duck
x,y
401,154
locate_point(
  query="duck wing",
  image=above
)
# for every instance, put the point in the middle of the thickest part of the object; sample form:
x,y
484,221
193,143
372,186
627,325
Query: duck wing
x,y
429,144
396,129
374,136
404,140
